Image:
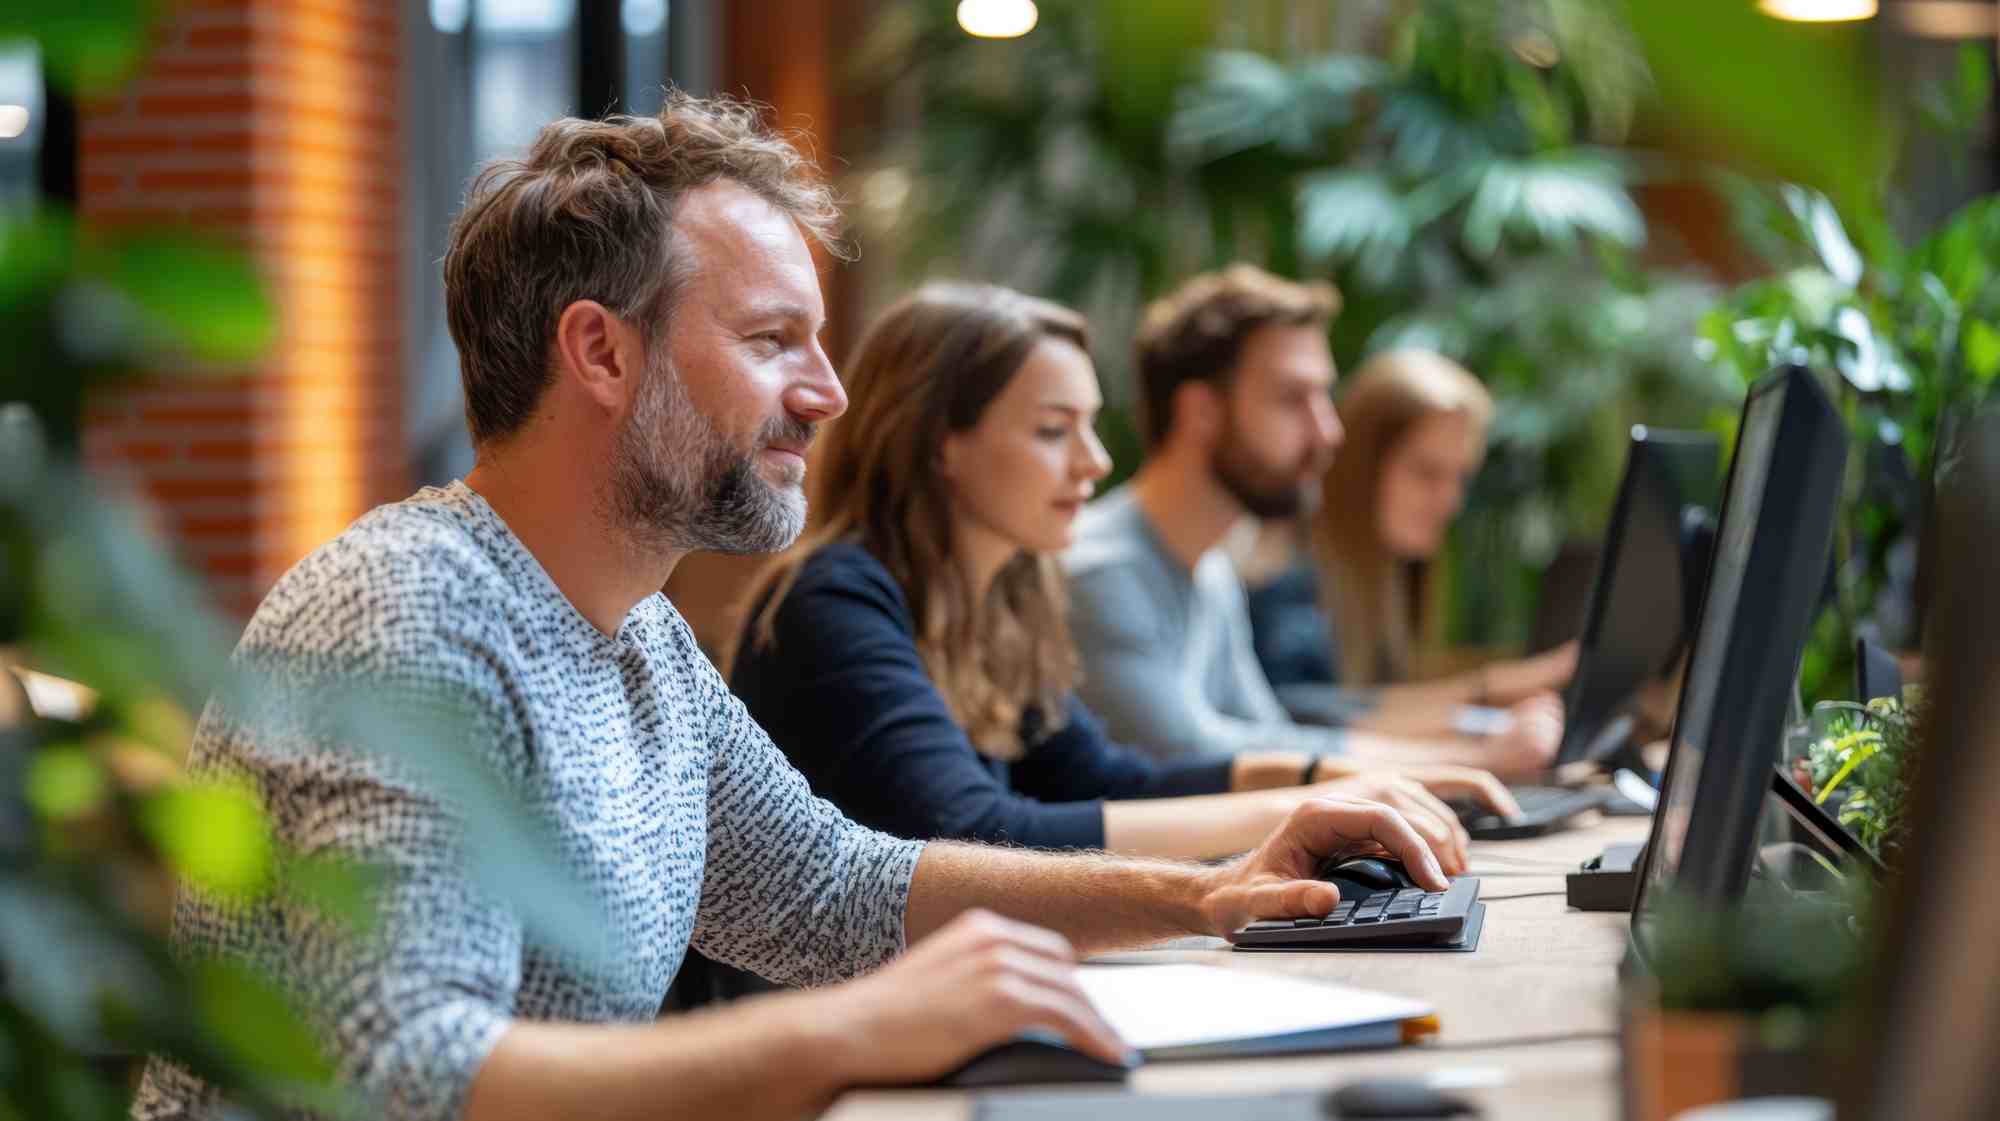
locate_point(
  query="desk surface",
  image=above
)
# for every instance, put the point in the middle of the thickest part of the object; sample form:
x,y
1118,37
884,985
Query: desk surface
x,y
1541,972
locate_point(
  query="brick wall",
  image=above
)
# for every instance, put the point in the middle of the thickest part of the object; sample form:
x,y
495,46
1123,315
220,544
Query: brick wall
x,y
272,124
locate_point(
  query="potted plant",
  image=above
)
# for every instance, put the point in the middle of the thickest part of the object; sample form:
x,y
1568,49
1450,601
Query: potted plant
x,y
1738,1004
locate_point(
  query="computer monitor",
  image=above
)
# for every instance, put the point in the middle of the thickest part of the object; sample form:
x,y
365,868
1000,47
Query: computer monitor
x,y
1876,674
1633,628
1771,547
1932,1001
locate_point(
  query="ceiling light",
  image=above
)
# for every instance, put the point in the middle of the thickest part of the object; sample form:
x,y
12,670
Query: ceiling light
x,y
13,121
997,19
1818,11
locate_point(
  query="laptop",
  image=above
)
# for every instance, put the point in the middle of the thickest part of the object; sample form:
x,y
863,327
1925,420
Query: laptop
x,y
1773,539
1642,606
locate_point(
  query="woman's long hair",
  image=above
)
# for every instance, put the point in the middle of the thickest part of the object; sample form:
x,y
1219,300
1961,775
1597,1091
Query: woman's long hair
x,y
929,367
1381,604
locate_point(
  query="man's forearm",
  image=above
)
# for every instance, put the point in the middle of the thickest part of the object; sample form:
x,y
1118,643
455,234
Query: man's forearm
x,y
1198,827
766,1057
1099,902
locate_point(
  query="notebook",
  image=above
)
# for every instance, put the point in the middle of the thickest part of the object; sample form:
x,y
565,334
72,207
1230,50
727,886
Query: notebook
x,y
1184,1011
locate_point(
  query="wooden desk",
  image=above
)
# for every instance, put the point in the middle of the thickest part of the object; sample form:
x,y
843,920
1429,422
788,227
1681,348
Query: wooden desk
x,y
1541,971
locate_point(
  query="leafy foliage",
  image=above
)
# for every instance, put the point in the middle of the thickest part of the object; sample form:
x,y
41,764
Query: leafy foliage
x,y
1862,765
1911,334
1444,166
1792,963
97,819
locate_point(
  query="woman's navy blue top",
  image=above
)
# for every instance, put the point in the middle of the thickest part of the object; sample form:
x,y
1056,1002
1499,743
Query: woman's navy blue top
x,y
844,693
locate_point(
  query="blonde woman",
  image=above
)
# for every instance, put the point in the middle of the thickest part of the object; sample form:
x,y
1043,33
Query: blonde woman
x,y
911,655
1416,433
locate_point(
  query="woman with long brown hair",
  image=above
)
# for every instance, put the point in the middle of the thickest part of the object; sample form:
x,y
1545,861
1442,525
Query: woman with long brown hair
x,y
1416,433
910,654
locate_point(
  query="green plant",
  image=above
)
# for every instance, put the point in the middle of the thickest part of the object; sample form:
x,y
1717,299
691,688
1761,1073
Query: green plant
x,y
1906,335
96,821
1448,162
1861,764
1766,955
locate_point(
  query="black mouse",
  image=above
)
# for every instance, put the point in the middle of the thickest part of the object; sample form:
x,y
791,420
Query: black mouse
x,y
1030,1061
1362,876
1391,1097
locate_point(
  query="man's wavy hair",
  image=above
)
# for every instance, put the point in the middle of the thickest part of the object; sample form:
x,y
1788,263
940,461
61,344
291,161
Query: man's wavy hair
x,y
588,214
1197,332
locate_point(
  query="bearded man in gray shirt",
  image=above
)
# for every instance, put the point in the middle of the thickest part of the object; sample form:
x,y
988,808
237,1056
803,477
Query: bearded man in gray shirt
x,y
1235,384
637,315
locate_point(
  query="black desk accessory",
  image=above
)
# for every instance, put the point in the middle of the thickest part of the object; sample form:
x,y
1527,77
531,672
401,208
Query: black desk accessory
x,y
1607,881
1370,1100
1032,1062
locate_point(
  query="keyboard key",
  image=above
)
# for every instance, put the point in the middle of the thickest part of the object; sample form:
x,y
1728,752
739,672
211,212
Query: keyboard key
x,y
1305,922
1270,924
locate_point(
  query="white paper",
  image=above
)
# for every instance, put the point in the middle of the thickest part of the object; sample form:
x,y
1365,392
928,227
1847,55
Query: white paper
x,y
1157,1006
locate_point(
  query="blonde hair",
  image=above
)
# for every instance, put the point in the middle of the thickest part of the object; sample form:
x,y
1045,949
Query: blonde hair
x,y
1381,604
930,366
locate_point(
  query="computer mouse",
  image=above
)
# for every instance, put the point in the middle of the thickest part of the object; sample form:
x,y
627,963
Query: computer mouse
x,y
1362,876
1393,1097
1032,1061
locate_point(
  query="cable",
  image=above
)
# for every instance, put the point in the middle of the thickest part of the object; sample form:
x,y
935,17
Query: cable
x,y
1527,861
1521,895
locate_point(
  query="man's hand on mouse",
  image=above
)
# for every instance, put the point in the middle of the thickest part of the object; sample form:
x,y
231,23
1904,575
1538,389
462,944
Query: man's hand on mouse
x,y
979,981
1279,878
1417,792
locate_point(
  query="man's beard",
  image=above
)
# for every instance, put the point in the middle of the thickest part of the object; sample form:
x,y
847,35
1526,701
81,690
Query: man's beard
x,y
678,483
1266,492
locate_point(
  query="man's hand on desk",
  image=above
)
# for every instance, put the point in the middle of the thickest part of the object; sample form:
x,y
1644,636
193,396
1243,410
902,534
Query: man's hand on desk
x,y
979,981
1279,878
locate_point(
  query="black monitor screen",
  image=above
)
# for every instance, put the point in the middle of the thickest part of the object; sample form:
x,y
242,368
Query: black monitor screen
x,y
1635,632
1740,512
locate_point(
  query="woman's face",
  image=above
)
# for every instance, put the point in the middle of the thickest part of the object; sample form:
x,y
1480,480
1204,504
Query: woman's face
x,y
1024,471
1423,480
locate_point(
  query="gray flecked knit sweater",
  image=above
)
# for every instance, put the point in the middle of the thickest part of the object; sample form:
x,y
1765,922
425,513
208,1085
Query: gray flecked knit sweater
x,y
668,803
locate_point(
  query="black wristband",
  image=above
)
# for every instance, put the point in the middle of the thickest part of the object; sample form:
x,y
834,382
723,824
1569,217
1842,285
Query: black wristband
x,y
1312,764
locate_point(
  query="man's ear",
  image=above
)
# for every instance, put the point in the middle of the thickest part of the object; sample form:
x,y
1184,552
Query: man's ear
x,y
599,353
1199,412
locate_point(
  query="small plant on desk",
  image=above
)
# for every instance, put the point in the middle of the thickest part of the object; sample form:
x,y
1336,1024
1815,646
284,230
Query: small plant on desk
x,y
1738,1002
1858,764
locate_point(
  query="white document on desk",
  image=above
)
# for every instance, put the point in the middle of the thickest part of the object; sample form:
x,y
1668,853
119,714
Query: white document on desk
x,y
1203,1011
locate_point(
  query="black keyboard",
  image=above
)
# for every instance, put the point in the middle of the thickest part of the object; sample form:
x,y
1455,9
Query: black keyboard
x,y
1409,914
1541,801
1543,808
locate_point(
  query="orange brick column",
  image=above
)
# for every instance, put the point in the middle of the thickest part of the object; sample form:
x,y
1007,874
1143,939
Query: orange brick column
x,y
272,124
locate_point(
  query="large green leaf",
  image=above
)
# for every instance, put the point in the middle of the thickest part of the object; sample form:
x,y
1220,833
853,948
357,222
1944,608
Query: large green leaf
x,y
88,46
1246,101
1355,216
215,836
195,295
1551,202
250,1017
